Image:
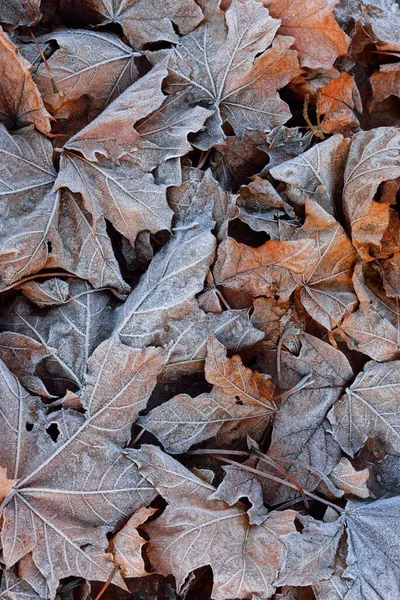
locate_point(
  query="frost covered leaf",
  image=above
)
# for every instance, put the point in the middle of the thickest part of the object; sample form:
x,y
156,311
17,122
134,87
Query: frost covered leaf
x,y
374,327
89,70
374,158
26,199
68,537
20,100
240,403
373,557
195,531
258,270
13,587
300,435
326,289
318,37
385,82
345,477
20,12
48,293
369,409
228,64
146,21
316,174
127,544
73,329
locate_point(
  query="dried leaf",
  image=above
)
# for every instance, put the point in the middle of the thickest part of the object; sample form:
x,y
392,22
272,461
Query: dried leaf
x,y
300,436
369,409
316,174
348,480
374,157
127,544
239,398
20,100
338,102
143,22
318,38
20,12
49,293
13,587
227,62
88,71
70,536
195,531
385,82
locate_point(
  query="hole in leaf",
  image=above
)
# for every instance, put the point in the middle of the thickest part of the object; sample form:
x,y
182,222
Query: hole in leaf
x,y
53,431
49,247
238,401
241,232
29,426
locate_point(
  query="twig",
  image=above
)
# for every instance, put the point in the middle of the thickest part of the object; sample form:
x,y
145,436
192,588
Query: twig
x,y
107,583
47,66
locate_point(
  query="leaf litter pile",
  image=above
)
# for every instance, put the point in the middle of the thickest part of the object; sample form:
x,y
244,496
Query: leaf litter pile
x,y
200,281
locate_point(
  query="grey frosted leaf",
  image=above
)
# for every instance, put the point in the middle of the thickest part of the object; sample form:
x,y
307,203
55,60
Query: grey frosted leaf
x,y
227,63
13,587
238,483
310,557
145,21
89,69
301,442
374,553
316,173
27,177
369,409
173,278
20,12
349,481
66,490
74,329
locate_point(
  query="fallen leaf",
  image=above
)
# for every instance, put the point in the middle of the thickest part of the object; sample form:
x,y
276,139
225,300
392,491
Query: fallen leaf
x,y
318,38
339,102
20,101
20,12
240,81
127,544
369,409
374,157
345,477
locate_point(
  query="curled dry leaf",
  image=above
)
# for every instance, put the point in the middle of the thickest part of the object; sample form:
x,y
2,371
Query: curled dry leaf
x,y
374,158
369,409
227,62
20,101
127,544
385,82
339,102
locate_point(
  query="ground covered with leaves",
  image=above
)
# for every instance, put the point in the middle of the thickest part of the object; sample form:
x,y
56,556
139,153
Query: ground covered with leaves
x,y
200,281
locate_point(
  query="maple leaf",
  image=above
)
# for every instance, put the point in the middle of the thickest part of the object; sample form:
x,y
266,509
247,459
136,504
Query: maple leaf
x,y
145,21
240,81
88,71
127,544
239,398
20,12
20,100
68,538
300,436
373,554
318,38
374,328
374,157
308,175
369,408
326,289
74,330
385,82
